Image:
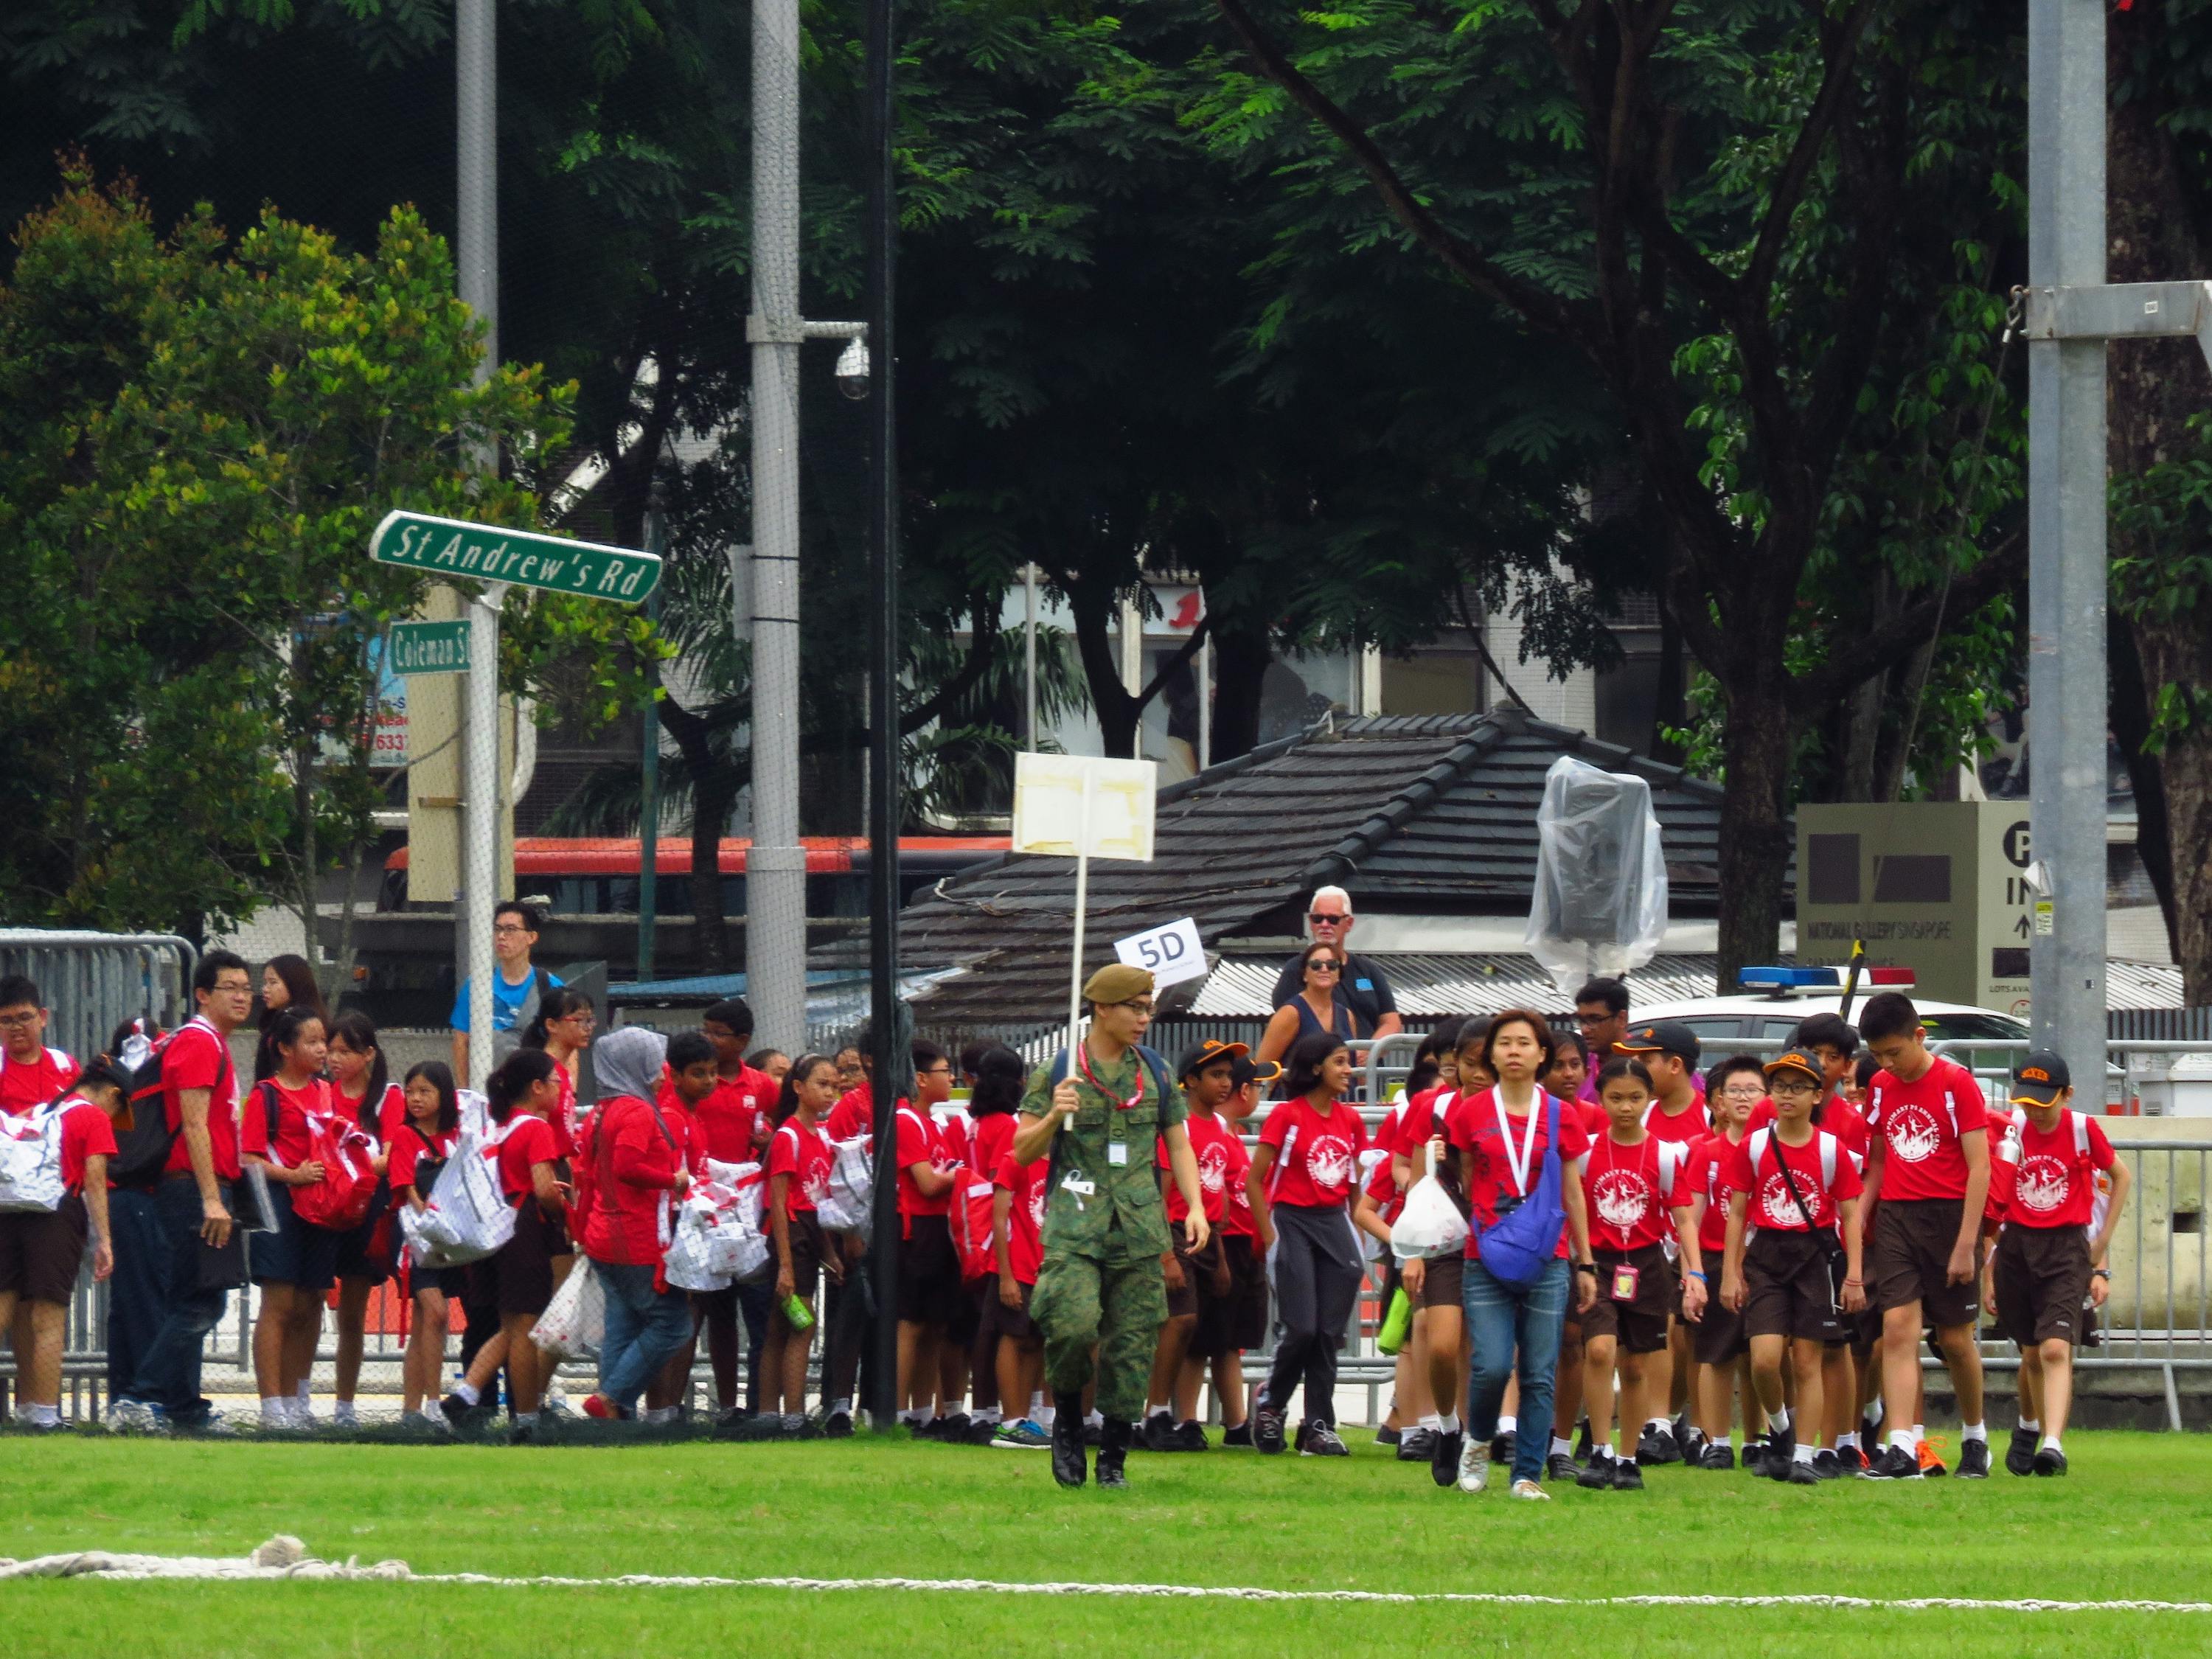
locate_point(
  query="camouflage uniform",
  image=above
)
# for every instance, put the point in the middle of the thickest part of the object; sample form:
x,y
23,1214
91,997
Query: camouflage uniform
x,y
1100,1284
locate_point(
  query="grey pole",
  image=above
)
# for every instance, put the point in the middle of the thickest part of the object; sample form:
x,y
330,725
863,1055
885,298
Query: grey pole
x,y
2066,672
648,793
775,868
477,60
1028,656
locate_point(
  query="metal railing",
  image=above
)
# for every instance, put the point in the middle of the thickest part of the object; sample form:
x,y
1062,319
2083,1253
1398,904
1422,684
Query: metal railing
x,y
96,982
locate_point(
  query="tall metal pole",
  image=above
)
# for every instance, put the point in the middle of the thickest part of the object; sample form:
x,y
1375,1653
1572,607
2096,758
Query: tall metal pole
x,y
2066,672
477,131
887,1014
648,792
1205,700
775,868
1029,658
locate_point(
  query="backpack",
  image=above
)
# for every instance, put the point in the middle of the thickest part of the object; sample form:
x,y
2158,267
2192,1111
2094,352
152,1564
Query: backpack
x,y
1152,1062
340,1200
143,1141
504,1043
31,1160
973,1197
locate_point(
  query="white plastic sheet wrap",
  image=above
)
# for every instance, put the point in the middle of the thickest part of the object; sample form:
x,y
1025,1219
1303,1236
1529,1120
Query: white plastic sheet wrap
x,y
1600,897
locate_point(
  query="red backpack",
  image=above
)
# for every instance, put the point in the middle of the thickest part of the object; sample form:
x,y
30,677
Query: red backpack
x,y
339,1201
972,1197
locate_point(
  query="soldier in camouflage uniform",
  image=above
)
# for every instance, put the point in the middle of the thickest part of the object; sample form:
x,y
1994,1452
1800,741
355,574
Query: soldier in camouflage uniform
x,y
1098,1115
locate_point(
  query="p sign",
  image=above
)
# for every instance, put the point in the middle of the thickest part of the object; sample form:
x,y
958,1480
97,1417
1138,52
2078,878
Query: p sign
x,y
1173,952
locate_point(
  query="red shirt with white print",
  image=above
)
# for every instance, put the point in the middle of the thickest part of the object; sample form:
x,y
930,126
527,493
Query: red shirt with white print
x,y
1025,1217
1920,1123
1770,1205
1236,1220
1629,1191
801,1153
854,1115
1477,1125
1317,1154
1210,1143
1709,1162
24,1085
2053,1183
197,1057
731,1112
920,1141
528,1141
86,1131
1836,1114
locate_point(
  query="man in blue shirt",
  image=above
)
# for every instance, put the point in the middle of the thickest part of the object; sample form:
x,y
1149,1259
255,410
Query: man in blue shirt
x,y
516,987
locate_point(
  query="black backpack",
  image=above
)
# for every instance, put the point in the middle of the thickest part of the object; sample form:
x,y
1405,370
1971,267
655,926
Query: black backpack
x,y
144,1139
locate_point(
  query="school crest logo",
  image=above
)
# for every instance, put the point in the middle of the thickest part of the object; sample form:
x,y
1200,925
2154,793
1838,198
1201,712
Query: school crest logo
x,y
1328,1162
1912,1134
1214,1167
2044,1184
1777,1208
1623,1198
1038,1197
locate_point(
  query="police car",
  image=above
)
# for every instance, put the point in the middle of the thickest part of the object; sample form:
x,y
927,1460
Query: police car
x,y
1771,1001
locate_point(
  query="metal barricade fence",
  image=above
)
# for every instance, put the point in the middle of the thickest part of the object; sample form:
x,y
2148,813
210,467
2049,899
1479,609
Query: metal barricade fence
x,y
96,982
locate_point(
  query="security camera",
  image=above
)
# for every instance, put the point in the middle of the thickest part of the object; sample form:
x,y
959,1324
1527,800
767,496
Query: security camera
x,y
852,368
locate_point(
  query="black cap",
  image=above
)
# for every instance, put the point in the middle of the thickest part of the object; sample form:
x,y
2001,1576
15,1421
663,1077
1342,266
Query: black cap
x,y
2040,1078
1257,1071
1665,1036
1198,1057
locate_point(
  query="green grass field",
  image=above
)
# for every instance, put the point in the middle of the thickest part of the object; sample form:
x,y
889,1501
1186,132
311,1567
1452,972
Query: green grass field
x,y
2133,1521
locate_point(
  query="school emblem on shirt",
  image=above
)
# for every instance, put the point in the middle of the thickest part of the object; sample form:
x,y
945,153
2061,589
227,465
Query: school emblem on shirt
x,y
1038,1197
1623,1198
1214,1167
1328,1162
1779,1209
1912,1134
2044,1184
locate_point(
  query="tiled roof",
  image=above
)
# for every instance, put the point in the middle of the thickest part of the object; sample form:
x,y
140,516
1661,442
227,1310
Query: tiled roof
x,y
1415,815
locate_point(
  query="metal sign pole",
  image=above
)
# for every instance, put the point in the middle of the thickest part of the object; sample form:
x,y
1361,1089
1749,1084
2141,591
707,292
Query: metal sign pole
x,y
475,41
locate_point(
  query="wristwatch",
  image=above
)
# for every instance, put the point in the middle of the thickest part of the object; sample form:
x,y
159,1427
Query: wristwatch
x,y
1590,1267
2100,1272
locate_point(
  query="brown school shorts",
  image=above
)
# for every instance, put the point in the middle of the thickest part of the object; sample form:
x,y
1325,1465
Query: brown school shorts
x,y
994,1319
1786,1289
1718,1338
1640,1327
1913,1241
40,1251
1441,1281
1205,1278
2042,1283
808,1247
1237,1322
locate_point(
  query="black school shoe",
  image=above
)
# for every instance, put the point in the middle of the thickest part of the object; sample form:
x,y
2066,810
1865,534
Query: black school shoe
x,y
1894,1463
1114,1438
1239,1436
1067,1455
1417,1445
1268,1429
1596,1475
1190,1437
1387,1436
1850,1460
1782,1455
2051,1460
1755,1456
1716,1457
1974,1461
953,1430
1825,1465
1561,1466
1502,1447
2020,1455
1655,1446
1799,1475
1626,1477
1318,1439
1444,1461
1583,1450
1159,1434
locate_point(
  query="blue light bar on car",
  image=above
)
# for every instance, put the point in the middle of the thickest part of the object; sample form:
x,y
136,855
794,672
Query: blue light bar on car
x,y
1786,979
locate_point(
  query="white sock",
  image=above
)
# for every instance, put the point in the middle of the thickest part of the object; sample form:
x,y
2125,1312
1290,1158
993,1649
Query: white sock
x,y
1972,1432
910,1415
300,1414
1433,1423
2050,1441
524,1419
1722,1441
1448,1424
1650,1423
1042,1415
1903,1440
1803,1453
2030,1425
794,1421
1562,1447
1874,1411
276,1408
1509,1424
342,1411
41,1416
1094,1419
844,1405
1919,1433
466,1392
1151,1411
1850,1440
1778,1421
304,1391
1039,1406
987,1414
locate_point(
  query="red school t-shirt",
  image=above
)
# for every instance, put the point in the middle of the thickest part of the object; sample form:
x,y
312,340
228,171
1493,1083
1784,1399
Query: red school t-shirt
x,y
1770,1205
1920,1123
1628,1192
1316,1156
383,1122
24,1085
920,1141
1025,1217
1708,1161
1383,1187
801,1153
2053,1185
731,1112
197,1057
1476,1125
1412,1122
294,1139
86,1132
630,1214
409,1146
1685,1128
855,1114
1210,1141
529,1140
1836,1114
1236,1220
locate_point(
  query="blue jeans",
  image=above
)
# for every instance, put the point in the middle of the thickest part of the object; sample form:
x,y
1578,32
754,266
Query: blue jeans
x,y
136,1292
1501,1320
644,1327
168,1373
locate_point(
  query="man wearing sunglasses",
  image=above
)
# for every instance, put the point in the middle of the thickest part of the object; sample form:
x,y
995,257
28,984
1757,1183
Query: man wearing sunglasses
x,y
1364,991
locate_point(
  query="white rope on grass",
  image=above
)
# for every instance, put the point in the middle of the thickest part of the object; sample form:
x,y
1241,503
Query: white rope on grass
x,y
287,1558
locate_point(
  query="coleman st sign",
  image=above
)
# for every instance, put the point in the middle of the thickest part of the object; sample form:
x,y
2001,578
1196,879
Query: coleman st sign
x,y
454,547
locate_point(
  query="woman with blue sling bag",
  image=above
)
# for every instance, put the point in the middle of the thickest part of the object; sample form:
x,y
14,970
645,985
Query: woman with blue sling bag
x,y
1513,1144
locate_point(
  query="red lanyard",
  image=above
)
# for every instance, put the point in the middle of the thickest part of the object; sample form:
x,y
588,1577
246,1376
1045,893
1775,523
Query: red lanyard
x,y
1083,1060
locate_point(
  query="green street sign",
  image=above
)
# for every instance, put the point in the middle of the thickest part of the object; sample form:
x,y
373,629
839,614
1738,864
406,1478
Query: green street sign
x,y
454,547
430,647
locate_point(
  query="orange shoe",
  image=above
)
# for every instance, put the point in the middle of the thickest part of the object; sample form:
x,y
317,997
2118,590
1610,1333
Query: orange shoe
x,y
1931,1464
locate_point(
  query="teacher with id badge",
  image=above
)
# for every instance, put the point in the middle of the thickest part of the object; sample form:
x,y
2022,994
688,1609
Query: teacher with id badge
x,y
1096,1114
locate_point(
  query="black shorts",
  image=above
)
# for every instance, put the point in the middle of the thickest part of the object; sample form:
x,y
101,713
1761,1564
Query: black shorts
x,y
2042,1284
1639,1326
1786,1288
1238,1321
1718,1338
41,1250
1912,1243
298,1252
1205,1278
365,1252
517,1277
929,1284
994,1319
808,1247
1441,1279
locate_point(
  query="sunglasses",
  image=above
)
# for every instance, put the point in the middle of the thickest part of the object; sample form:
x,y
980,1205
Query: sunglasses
x,y
1324,967
1317,917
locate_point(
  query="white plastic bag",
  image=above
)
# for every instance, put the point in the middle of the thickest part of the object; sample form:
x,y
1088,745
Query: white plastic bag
x,y
575,1323
847,1207
737,1243
31,1161
468,1217
1600,904
689,1264
1430,1224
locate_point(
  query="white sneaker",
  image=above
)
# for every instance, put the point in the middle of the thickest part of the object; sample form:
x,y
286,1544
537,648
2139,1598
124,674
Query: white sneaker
x,y
1531,1492
133,1417
343,1415
1473,1465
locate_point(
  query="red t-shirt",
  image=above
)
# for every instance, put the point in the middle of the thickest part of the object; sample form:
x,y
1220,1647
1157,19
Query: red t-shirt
x,y
86,1132
1237,1211
730,1114
1210,1141
197,1057
1477,1126
1316,1156
684,1123
1628,1191
294,1141
1708,1161
2054,1185
801,1153
920,1141
855,1114
528,1140
1920,1123
1836,1114
23,1085
1382,1187
1770,1205
1025,1218
1684,1128
628,1220
383,1122
409,1148
566,1119
1412,1122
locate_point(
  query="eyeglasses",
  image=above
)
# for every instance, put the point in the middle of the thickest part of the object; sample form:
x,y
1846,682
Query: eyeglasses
x,y
510,928
583,1017
1744,1091
22,1022
1591,1021
1137,1005
943,1069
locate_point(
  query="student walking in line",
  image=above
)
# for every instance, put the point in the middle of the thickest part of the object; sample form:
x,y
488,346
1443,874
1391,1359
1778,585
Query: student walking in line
x,y
736,1116
31,1073
565,1021
1017,1206
1436,1284
1303,1176
994,1101
420,1147
362,1092
1734,1088
798,1159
